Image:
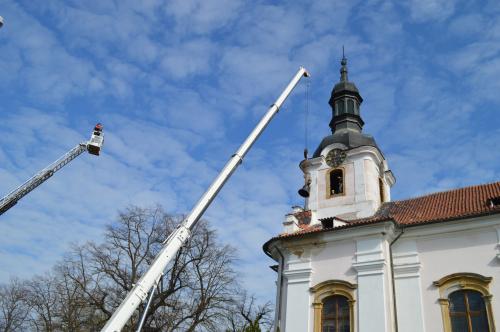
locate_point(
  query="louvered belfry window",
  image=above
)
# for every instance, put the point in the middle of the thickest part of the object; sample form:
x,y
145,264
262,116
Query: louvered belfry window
x,y
335,314
468,312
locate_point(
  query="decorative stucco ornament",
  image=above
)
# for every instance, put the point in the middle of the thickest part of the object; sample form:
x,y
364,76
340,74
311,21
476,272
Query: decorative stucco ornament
x,y
335,157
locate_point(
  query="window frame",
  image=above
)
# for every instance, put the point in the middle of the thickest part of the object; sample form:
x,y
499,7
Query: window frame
x,y
328,185
460,282
329,288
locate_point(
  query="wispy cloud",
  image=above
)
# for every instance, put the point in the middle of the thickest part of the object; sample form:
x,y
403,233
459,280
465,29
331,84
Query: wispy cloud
x,y
179,85
429,10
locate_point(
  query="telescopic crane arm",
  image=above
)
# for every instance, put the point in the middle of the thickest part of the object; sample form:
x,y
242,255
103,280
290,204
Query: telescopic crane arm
x,y
177,238
93,146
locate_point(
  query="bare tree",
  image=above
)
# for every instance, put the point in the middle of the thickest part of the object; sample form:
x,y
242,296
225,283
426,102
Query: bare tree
x,y
248,316
193,291
13,306
42,297
196,292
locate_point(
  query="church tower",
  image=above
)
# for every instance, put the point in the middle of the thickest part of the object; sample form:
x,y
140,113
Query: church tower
x,y
348,176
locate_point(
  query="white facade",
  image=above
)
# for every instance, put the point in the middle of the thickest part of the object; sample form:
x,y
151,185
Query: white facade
x,y
361,256
396,275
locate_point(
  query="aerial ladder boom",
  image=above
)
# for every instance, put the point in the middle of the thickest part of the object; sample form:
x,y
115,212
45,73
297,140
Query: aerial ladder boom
x,y
172,244
93,146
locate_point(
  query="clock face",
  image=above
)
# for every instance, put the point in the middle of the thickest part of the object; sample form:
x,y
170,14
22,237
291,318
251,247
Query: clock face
x,y
335,157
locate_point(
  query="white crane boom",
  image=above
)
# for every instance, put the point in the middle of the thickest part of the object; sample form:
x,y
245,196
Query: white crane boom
x,y
93,146
177,238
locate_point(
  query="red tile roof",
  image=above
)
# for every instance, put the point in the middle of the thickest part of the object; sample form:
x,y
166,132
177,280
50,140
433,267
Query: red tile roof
x,y
438,207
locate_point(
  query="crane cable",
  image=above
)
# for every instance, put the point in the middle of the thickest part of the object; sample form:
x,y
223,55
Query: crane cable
x,y
306,120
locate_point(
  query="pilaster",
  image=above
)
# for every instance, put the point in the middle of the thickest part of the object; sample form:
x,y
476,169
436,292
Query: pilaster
x,y
298,298
373,291
406,264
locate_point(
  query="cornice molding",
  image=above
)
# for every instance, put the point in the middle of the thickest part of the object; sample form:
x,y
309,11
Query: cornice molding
x,y
365,256
407,270
365,149
452,226
373,267
298,276
382,230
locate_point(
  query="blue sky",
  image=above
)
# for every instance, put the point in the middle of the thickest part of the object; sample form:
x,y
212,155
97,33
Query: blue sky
x,y
179,84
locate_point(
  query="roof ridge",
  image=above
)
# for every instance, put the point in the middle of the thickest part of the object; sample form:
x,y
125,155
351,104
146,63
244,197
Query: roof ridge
x,y
446,191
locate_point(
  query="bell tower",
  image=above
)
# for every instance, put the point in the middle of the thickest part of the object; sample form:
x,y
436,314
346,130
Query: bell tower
x,y
347,177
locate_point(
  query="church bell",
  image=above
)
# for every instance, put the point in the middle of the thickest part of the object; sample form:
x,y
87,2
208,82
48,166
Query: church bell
x,y
304,191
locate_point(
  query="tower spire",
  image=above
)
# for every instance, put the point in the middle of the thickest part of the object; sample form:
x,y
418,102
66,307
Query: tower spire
x,y
343,68
345,102
346,122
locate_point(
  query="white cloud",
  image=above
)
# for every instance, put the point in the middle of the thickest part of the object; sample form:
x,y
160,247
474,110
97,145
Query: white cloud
x,y
202,16
248,72
261,30
179,85
47,70
188,58
431,10
330,16
467,25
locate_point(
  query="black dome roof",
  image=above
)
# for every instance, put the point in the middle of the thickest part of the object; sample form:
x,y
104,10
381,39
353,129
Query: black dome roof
x,y
351,139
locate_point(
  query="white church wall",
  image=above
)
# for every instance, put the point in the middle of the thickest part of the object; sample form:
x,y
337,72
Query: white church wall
x,y
371,194
333,261
358,256
454,247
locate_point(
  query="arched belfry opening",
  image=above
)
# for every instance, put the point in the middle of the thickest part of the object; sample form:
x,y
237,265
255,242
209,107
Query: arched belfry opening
x,y
336,181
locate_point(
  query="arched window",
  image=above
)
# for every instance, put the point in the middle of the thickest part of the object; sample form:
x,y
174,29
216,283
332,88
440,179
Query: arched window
x,y
466,303
335,315
334,306
336,181
467,311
